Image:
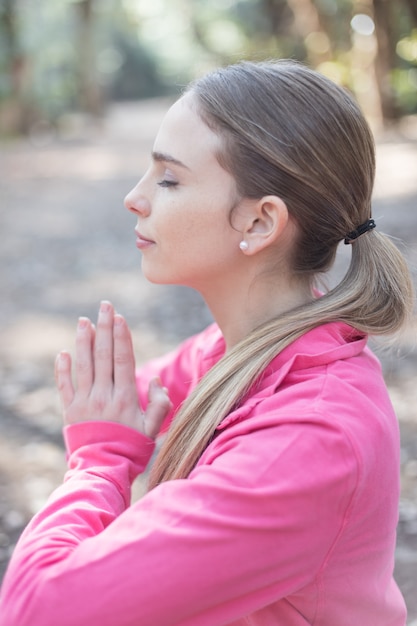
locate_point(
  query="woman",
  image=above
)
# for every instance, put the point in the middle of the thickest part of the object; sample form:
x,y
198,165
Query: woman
x,y
274,497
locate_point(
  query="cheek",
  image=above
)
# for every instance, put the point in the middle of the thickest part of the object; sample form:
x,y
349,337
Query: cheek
x,y
205,231
181,219
196,223
209,244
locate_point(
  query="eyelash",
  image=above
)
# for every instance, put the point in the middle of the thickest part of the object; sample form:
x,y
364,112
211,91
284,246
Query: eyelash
x,y
167,183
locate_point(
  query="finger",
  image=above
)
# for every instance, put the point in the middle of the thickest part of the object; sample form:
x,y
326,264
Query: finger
x,y
103,346
63,378
159,406
84,364
123,356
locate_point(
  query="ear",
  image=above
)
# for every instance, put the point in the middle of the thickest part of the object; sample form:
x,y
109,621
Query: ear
x,y
266,222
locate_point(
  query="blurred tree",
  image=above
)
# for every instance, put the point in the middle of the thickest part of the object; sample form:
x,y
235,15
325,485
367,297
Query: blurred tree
x,y
412,7
389,26
75,54
128,63
15,109
308,23
386,58
137,76
89,92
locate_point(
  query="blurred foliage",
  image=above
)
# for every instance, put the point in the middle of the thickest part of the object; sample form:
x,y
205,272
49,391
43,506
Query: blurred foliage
x,y
76,55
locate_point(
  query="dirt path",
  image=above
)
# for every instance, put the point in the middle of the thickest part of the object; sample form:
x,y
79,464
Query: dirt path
x,y
67,243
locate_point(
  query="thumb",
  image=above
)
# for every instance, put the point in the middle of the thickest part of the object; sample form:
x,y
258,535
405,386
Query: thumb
x,y
159,405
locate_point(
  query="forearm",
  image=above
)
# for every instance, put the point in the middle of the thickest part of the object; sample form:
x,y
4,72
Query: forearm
x,y
104,459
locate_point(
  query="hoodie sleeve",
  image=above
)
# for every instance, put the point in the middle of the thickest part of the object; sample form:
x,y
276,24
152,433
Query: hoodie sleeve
x,y
243,530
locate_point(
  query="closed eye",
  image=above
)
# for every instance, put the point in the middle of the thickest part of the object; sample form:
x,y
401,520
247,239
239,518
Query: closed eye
x,y
167,183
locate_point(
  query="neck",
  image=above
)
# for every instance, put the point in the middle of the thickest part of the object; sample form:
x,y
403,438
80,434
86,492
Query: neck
x,y
239,309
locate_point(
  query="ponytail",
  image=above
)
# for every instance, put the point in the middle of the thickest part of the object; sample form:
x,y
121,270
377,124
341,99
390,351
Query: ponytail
x,y
375,297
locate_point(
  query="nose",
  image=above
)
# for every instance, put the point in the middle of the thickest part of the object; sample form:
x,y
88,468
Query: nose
x,y
136,202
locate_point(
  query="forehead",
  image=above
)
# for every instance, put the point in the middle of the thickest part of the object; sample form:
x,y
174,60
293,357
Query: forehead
x,y
185,136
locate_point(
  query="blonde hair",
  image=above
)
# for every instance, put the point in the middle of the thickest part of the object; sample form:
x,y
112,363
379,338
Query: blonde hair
x,y
289,131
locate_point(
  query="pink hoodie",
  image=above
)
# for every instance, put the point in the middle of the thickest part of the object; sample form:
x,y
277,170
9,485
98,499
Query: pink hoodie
x,y
289,518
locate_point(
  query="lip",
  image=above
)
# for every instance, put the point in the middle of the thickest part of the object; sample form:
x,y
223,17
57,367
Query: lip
x,y
142,242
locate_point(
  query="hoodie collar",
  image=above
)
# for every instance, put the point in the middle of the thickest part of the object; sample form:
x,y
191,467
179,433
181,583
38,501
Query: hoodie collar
x,y
322,345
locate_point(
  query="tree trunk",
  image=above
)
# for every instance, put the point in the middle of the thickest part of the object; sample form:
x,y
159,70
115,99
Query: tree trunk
x,y
279,15
90,99
308,24
412,7
15,110
386,58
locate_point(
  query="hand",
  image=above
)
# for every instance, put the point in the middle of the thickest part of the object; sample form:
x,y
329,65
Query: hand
x,y
105,374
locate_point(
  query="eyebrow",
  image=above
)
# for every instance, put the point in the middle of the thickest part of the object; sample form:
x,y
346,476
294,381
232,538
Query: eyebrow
x,y
160,156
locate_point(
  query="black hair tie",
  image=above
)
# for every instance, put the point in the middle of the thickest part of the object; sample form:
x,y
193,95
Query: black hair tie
x,y
361,230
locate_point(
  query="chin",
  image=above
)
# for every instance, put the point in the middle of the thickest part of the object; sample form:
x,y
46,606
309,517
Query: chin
x,y
157,278
160,276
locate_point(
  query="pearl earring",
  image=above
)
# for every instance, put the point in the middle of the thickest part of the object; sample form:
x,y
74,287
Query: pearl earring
x,y
243,246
